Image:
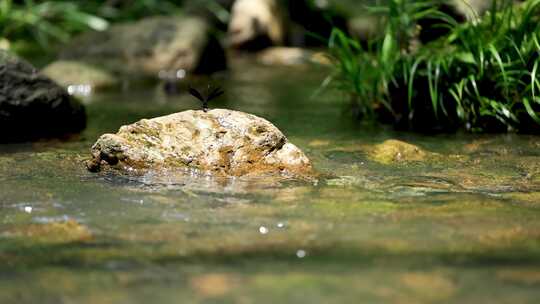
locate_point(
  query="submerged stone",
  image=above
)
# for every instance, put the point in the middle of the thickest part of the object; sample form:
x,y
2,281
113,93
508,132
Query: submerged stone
x,y
522,276
392,151
213,285
151,46
32,105
54,232
429,286
223,142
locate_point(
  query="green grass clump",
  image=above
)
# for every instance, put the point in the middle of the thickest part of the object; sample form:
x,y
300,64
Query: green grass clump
x,y
481,75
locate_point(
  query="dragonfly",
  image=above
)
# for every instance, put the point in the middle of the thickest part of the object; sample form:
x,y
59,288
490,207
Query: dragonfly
x,y
211,93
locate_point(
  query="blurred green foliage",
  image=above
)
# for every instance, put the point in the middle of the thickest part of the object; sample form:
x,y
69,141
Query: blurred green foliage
x,y
38,23
45,20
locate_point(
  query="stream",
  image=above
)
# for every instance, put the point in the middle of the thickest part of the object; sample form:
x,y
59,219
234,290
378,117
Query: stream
x,y
461,224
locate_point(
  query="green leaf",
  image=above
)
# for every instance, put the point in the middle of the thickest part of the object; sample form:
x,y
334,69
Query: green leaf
x,y
93,22
530,110
466,57
387,50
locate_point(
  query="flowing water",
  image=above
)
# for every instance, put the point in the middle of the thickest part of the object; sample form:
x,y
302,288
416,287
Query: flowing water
x,y
458,224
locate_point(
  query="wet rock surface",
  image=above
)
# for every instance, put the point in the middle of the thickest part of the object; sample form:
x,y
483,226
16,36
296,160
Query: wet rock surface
x,y
151,45
223,142
32,105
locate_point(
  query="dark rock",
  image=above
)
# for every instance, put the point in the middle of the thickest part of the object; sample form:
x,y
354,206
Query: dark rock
x,y
312,25
32,105
459,10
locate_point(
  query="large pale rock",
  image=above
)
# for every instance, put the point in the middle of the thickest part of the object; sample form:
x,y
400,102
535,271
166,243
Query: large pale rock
x,y
33,106
256,24
150,46
222,142
73,74
4,44
471,9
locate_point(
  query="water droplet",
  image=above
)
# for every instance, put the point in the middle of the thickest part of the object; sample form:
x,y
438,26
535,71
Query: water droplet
x,y
301,254
263,230
80,89
180,73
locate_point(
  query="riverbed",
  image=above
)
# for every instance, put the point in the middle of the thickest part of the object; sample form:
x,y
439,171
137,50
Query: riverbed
x,y
458,224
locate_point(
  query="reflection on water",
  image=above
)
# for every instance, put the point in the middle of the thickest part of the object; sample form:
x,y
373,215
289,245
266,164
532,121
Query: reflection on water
x,y
462,226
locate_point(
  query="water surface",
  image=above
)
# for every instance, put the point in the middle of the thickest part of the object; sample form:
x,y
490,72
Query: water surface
x,y
462,225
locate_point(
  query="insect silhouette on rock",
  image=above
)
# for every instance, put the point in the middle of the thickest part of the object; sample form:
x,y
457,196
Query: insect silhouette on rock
x,y
211,93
